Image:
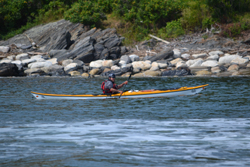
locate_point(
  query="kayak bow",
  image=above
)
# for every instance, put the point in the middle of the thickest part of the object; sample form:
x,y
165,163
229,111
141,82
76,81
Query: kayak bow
x,y
183,91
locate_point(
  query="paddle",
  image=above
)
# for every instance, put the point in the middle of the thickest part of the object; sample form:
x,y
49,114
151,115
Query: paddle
x,y
127,80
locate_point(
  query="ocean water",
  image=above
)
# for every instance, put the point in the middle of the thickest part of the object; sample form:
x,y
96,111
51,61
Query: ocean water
x,y
208,129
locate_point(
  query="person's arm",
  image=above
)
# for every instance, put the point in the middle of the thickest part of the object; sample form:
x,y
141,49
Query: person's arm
x,y
124,83
113,90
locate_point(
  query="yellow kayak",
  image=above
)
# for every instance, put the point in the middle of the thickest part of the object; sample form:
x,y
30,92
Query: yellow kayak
x,y
182,91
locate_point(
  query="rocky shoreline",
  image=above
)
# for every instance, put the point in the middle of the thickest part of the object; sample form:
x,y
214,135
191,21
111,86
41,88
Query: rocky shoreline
x,y
67,49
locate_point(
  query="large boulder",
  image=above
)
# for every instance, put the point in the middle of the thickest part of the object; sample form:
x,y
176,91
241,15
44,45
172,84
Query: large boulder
x,y
227,59
115,52
55,70
233,68
71,67
37,71
144,65
166,54
4,49
118,72
5,60
194,63
96,64
204,73
27,61
186,56
57,53
66,62
105,54
112,42
175,61
134,57
98,50
86,55
54,35
218,53
210,63
200,55
40,64
213,57
177,72
107,63
22,56
9,69
177,53
240,60
148,73
126,59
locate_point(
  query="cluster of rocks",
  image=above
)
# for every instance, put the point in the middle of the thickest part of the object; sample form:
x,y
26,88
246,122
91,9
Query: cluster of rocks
x,y
67,49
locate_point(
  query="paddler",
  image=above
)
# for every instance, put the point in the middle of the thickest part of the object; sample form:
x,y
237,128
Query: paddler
x,y
109,86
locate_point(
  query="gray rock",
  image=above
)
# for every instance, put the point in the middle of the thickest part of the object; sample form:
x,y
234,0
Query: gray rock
x,y
201,55
40,64
27,61
79,63
66,62
57,53
9,69
123,50
98,50
168,53
85,54
210,63
35,72
109,32
104,54
22,56
17,62
25,47
55,35
55,70
126,59
149,44
134,58
227,59
117,72
115,53
4,49
71,67
178,72
85,42
5,60
177,53
247,41
185,56
112,41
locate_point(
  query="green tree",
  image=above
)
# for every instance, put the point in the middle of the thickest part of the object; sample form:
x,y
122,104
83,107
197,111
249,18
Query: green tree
x,y
86,12
225,10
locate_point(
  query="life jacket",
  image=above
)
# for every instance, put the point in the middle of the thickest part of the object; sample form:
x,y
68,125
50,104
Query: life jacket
x,y
106,90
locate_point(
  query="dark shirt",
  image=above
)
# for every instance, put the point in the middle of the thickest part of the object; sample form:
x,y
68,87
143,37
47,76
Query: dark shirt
x,y
109,85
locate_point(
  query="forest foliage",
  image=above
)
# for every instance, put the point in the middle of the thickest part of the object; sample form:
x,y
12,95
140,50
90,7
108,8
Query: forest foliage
x,y
164,18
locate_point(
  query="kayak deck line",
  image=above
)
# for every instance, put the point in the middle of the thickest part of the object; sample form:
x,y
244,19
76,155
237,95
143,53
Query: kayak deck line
x,y
127,94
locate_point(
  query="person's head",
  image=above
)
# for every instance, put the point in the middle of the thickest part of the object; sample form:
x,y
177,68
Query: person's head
x,y
112,77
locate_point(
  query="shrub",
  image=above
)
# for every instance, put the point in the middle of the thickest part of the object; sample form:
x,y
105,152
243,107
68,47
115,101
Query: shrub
x,y
225,10
86,12
14,14
53,11
174,29
148,13
195,16
231,30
